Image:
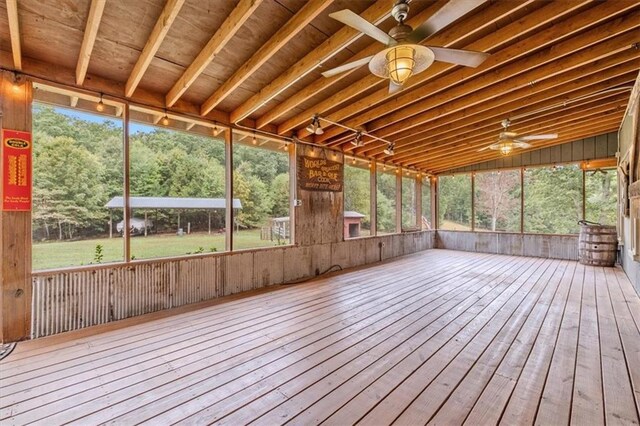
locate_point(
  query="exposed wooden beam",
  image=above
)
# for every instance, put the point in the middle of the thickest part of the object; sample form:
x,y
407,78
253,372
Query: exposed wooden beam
x,y
448,37
157,118
537,40
90,33
470,142
73,101
604,127
227,30
160,30
607,73
570,53
190,126
300,20
546,91
334,44
567,131
14,33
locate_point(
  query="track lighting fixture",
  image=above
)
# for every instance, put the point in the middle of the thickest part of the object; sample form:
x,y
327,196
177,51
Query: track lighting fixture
x,y
216,130
100,105
314,127
357,141
390,149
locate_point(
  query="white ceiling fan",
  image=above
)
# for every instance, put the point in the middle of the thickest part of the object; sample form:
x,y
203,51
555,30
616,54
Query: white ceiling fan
x,y
507,140
403,55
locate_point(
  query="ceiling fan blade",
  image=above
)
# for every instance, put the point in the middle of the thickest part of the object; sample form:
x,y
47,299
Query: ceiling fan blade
x,y
467,58
354,20
485,148
522,145
447,14
394,88
537,137
346,67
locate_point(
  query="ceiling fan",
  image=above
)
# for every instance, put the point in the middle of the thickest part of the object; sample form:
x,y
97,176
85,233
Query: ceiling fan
x,y
507,140
403,55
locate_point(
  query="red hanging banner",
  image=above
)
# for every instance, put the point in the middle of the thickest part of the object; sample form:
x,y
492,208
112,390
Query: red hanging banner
x,y
16,170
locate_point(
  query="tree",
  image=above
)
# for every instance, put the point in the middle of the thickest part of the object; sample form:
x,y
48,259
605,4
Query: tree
x,y
497,198
68,191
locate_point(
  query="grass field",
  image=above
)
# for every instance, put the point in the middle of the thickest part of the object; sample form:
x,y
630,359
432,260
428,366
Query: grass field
x,y
454,226
76,253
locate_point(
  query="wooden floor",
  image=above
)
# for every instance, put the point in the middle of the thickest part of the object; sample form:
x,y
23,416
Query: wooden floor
x,y
440,337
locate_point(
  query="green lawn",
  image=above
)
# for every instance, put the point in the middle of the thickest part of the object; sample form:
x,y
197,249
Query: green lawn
x,y
76,253
454,226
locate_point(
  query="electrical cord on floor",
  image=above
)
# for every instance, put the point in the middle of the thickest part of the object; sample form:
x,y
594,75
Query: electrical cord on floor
x,y
304,280
5,350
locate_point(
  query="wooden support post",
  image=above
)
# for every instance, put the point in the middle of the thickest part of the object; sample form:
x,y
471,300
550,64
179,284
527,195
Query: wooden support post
x,y
399,199
293,193
473,201
228,174
584,194
522,200
418,205
15,227
373,206
435,220
145,223
110,223
209,213
126,213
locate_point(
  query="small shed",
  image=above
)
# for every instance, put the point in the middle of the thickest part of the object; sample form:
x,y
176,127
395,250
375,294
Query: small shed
x,y
157,203
352,222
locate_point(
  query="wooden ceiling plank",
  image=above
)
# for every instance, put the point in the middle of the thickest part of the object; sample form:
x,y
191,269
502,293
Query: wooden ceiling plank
x,y
567,131
449,37
598,71
90,33
301,19
330,47
409,101
214,46
14,33
322,84
160,30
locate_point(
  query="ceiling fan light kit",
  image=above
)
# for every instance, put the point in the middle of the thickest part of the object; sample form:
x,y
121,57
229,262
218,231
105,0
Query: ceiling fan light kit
x,y
403,56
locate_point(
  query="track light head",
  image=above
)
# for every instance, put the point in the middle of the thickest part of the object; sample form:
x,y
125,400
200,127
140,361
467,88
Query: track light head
x,y
390,149
357,141
314,127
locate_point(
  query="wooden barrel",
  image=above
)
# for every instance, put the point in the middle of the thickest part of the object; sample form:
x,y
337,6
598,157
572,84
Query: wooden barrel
x,y
597,245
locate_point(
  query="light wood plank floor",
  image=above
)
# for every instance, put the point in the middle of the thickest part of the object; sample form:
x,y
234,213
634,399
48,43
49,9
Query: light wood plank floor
x,y
440,337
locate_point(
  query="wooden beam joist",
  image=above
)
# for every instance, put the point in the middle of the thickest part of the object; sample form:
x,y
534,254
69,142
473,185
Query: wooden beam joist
x,y
160,30
471,142
322,84
90,33
214,46
505,105
568,132
502,60
301,19
511,103
599,42
449,37
14,33
318,56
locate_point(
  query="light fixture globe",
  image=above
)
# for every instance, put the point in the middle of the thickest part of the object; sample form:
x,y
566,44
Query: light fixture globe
x,y
401,61
506,148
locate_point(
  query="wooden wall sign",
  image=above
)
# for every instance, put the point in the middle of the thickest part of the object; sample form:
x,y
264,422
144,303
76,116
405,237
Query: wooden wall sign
x,y
16,170
319,174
